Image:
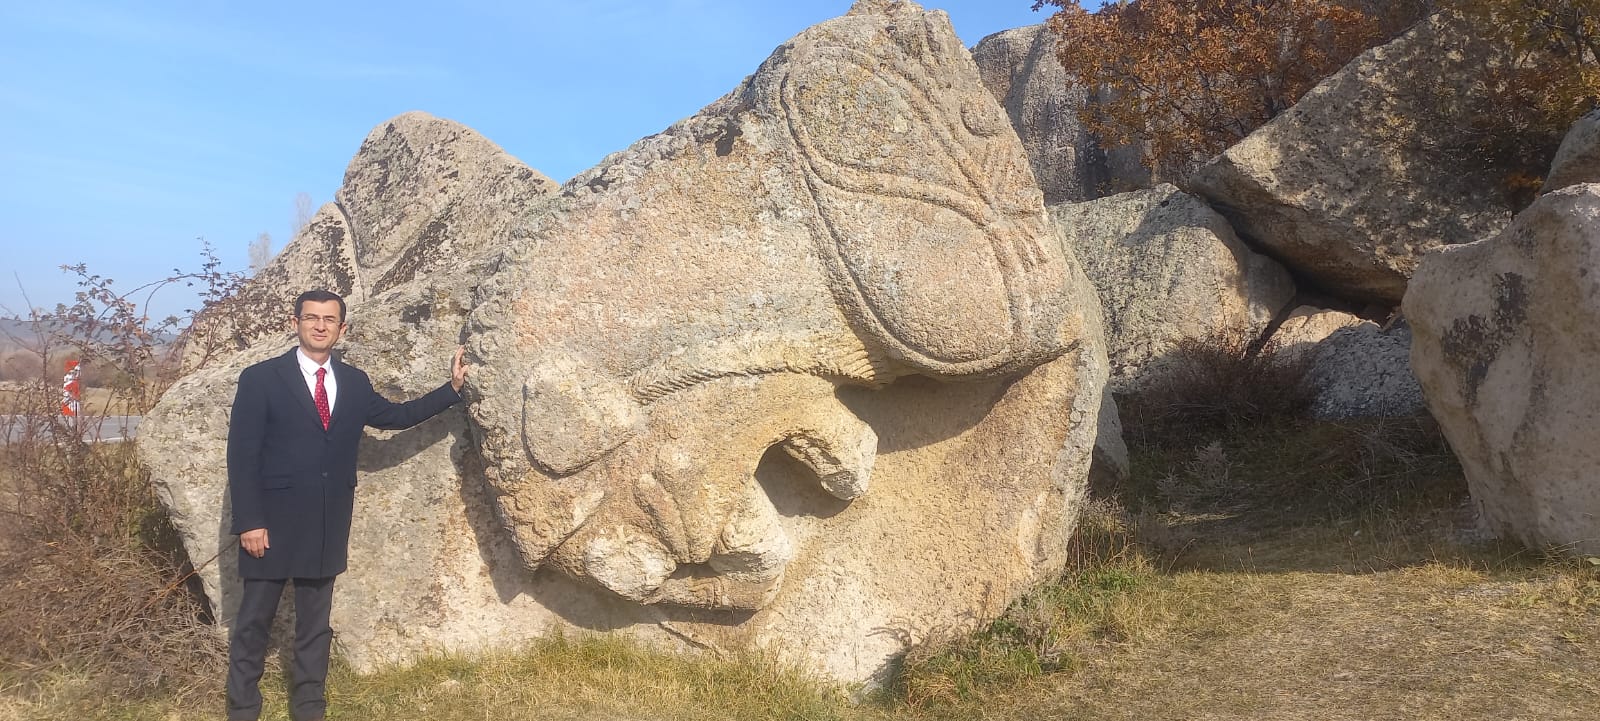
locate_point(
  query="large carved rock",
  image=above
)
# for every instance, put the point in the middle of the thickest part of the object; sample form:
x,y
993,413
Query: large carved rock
x,y
1506,335
1020,68
1578,158
1355,182
1166,268
806,372
857,212
422,193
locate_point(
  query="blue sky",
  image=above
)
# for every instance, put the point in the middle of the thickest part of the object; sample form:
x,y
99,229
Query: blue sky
x,y
130,130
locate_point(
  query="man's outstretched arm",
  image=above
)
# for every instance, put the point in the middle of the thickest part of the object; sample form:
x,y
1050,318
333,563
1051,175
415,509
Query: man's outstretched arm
x,y
395,416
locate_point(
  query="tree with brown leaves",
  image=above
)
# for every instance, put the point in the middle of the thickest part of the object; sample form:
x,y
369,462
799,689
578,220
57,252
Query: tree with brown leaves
x,y
1549,76
1191,77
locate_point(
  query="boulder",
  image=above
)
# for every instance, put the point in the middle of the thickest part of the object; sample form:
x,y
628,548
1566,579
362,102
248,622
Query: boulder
x,y
1364,371
1166,268
1111,466
1020,68
803,266
1578,158
743,385
420,195
1506,335
1353,184
1306,326
1354,368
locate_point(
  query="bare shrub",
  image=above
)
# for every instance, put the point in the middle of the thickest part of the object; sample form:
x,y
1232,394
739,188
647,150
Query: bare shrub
x,y
1216,383
96,582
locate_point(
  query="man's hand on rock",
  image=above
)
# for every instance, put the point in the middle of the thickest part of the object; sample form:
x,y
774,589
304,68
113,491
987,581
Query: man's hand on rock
x,y
458,370
255,542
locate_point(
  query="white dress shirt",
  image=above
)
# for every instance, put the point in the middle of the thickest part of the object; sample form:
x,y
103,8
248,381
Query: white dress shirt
x,y
308,368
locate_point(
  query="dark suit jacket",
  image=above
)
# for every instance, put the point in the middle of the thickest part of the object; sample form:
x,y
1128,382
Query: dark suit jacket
x,y
296,480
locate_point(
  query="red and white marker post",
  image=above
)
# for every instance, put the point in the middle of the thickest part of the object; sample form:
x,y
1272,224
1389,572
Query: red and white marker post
x,y
71,391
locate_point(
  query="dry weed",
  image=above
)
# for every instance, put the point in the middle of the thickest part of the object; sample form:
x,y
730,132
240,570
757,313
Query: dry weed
x,y
1219,383
96,583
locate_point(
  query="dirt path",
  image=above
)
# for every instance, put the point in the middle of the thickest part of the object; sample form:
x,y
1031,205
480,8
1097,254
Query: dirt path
x,y
1429,642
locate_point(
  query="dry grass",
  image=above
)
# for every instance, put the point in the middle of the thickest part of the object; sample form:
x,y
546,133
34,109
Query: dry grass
x,y
1300,571
1221,383
93,584
556,679
1339,578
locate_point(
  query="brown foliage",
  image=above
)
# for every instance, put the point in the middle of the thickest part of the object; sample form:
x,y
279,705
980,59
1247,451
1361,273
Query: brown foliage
x,y
95,579
1192,77
1524,104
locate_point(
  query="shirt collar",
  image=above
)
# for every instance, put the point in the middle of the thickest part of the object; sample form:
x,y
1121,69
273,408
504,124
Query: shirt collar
x,y
308,366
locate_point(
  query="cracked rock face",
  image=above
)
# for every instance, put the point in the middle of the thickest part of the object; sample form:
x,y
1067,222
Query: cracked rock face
x,y
422,195
806,372
1505,333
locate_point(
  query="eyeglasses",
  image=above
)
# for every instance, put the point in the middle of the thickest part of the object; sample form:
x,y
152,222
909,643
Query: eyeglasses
x,y
312,319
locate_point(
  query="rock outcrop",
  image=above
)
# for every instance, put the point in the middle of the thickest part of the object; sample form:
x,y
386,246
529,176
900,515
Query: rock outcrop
x,y
1354,183
1578,158
1166,268
1020,68
421,194
1506,335
808,371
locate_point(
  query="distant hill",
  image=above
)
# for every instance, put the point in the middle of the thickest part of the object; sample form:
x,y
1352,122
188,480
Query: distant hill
x,y
20,333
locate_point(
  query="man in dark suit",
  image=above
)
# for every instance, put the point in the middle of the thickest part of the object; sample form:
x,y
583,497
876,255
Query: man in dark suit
x,y
292,436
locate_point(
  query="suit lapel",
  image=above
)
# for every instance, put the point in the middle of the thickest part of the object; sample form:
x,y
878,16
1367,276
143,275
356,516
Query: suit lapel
x,y
346,401
289,370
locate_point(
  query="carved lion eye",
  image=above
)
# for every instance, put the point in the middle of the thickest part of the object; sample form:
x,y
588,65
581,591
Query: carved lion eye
x,y
881,126
981,121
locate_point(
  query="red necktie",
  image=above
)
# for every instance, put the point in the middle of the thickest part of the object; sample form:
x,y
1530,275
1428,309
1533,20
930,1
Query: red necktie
x,y
321,398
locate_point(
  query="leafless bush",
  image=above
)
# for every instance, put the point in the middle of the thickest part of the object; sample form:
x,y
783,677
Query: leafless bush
x,y
1216,383
96,582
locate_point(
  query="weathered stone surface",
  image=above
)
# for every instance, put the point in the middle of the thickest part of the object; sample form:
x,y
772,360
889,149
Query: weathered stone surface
x,y
1167,267
1364,371
1355,368
1111,465
1352,185
1578,158
806,372
1020,68
420,195
857,212
1306,326
423,192
1507,332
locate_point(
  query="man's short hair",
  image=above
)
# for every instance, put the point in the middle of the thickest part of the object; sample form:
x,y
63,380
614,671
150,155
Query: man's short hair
x,y
317,296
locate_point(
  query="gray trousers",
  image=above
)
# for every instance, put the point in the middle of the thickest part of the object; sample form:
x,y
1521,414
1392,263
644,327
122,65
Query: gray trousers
x,y
313,639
